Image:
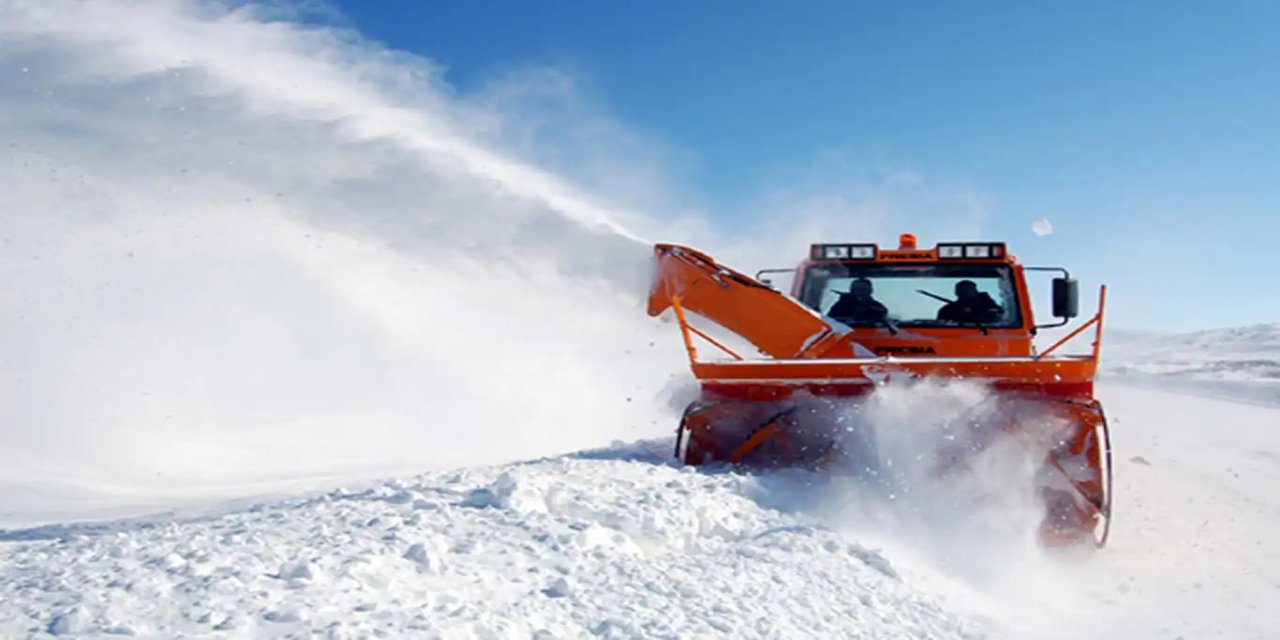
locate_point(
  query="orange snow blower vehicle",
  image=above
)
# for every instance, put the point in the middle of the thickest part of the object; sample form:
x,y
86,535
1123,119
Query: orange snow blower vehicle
x,y
860,317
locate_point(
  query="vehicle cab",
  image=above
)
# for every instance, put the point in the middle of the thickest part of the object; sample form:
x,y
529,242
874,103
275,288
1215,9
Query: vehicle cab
x,y
955,299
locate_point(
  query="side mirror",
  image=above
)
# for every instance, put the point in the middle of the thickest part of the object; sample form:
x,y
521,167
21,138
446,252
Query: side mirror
x,y
1066,298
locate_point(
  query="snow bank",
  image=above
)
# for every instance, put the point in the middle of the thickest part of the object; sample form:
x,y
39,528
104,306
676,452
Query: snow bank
x,y
610,543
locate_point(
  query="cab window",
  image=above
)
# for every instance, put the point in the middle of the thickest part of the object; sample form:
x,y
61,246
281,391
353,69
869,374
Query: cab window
x,y
933,295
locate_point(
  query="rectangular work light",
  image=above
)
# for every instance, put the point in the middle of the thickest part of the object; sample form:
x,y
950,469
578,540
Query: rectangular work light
x,y
950,251
843,252
971,250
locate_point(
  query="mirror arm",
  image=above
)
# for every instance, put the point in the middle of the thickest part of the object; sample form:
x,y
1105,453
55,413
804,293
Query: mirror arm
x,y
1065,274
1062,270
1061,323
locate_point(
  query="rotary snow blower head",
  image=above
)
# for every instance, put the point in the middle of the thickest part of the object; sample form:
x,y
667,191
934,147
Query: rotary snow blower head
x,y
859,316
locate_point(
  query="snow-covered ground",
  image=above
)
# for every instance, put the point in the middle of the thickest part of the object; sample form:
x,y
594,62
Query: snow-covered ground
x,y
1194,552
619,542
1241,363
614,543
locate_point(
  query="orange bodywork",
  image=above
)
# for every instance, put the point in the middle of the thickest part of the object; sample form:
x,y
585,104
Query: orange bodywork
x,y
747,412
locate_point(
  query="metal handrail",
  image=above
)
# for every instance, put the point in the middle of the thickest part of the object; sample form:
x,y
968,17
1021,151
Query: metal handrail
x,y
1097,319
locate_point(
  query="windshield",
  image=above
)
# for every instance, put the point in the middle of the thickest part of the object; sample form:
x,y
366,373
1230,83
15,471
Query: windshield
x,y
933,295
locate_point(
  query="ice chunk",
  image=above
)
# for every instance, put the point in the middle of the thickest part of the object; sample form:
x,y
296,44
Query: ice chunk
x,y
296,570
558,589
428,557
68,623
282,616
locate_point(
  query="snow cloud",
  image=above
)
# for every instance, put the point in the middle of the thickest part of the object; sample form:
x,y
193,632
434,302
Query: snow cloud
x,y
240,249
929,469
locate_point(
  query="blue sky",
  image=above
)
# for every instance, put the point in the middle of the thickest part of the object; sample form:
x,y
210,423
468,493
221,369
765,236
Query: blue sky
x,y
1147,132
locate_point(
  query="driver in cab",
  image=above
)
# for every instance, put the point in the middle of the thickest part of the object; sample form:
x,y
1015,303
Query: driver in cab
x,y
858,306
971,306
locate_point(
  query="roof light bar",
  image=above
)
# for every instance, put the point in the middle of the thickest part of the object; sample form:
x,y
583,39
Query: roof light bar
x,y
843,252
972,251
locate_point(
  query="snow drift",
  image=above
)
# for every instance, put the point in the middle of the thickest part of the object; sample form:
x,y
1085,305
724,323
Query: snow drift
x,y
612,543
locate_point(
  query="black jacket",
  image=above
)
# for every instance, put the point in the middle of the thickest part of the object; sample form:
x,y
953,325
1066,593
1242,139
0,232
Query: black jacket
x,y
851,309
981,309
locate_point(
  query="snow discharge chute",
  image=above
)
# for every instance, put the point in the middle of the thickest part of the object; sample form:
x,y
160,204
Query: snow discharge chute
x,y
859,317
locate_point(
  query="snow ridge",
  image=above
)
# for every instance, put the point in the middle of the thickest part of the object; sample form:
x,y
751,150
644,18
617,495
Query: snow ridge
x,y
612,543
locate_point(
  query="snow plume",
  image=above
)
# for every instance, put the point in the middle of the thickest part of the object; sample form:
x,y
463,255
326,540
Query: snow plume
x,y
927,475
927,469
944,459
240,250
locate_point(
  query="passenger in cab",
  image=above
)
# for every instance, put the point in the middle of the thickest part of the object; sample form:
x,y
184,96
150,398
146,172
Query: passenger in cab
x,y
971,306
858,306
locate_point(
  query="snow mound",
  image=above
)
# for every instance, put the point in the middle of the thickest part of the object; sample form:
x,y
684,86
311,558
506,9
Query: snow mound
x,y
610,543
